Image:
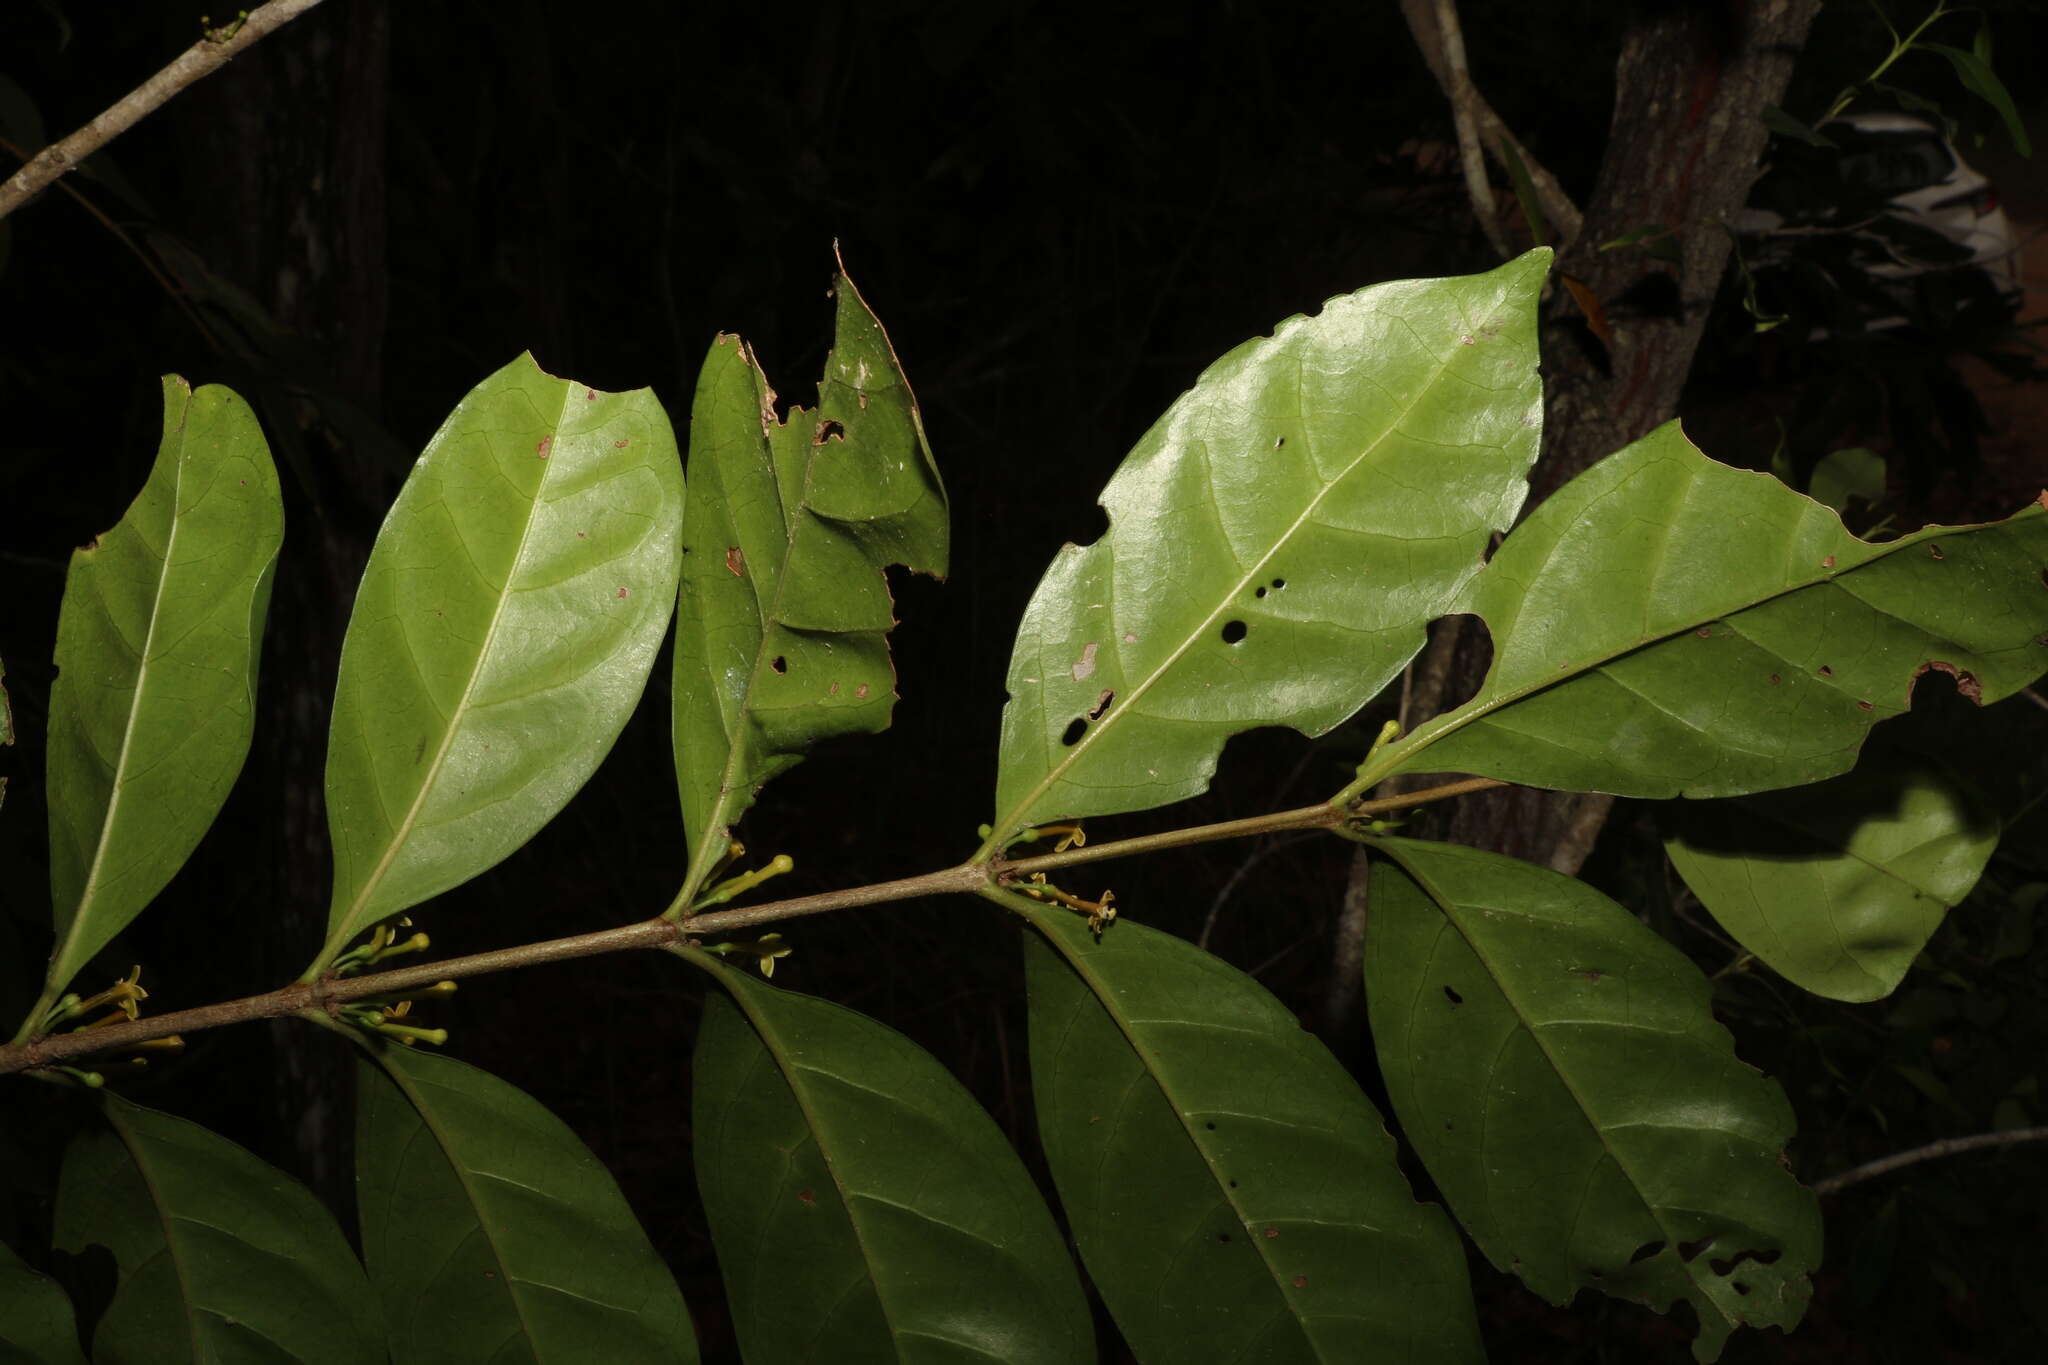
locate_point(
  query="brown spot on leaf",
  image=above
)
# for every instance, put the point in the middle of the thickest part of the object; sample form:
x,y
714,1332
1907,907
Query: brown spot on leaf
x,y
1826,672
583,535
1084,666
736,561
1828,563
828,430
1272,1232
620,445
1102,704
861,691
1935,551
1301,1281
1704,633
622,594
1775,680
1966,681
1865,706
590,395
544,446
807,1196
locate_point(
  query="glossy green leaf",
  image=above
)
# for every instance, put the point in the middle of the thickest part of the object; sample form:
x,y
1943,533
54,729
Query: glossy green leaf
x,y
1558,1067
220,1257
502,634
492,1234
1234,1195
1277,543
1665,625
782,632
154,701
1837,886
864,1207
37,1324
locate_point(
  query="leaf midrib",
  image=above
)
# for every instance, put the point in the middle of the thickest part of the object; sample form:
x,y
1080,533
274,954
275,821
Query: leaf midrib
x,y
402,831
1012,820
165,1223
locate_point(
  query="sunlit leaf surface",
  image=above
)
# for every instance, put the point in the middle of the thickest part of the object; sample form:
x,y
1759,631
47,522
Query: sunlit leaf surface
x,y
1837,886
154,701
492,1234
1277,543
219,1256
864,1207
502,634
1234,1195
1559,1069
782,632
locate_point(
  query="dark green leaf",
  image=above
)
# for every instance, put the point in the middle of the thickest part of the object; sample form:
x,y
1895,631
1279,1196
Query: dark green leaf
x,y
1837,886
1665,625
154,702
37,1325
1234,1196
1278,542
782,634
220,1257
501,636
492,1234
1559,1069
864,1207
1980,80
1784,125
1844,474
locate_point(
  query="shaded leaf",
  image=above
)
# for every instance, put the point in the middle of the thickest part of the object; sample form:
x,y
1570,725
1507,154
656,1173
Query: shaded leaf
x,y
154,701
1234,1195
1558,1067
1784,125
865,1208
492,1234
782,634
1980,80
220,1257
37,1324
1277,544
1665,625
1844,474
501,636
1837,886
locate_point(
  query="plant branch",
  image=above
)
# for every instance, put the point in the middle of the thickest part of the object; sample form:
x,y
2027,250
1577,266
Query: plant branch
x,y
202,59
1869,1170
327,994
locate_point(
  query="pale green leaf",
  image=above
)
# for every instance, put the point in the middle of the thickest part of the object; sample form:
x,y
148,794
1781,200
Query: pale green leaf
x,y
1837,886
1665,625
863,1205
220,1257
782,631
154,701
1234,1195
492,1234
1559,1069
37,1324
502,634
1845,474
1277,543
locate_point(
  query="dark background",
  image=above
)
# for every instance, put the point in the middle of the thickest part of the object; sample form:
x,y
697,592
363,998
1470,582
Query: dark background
x,y
1061,212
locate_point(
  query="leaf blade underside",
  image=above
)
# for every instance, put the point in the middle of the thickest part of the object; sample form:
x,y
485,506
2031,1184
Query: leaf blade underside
x,y
1272,558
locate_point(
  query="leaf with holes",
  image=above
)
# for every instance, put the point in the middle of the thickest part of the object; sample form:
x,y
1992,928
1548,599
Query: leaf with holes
x,y
782,634
1277,543
863,1205
37,1324
492,1234
1666,626
218,1256
1559,1070
154,701
1837,886
502,634
1233,1194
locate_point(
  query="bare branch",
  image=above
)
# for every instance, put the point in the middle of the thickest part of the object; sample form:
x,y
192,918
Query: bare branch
x,y
1466,120
1946,1147
203,58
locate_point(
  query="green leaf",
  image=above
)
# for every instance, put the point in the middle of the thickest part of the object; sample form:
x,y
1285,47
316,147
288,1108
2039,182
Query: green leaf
x,y
1844,474
1665,625
492,1234
1837,886
502,634
1784,125
1233,1194
154,702
782,632
864,1207
220,1257
37,1324
1277,544
1558,1067
1980,80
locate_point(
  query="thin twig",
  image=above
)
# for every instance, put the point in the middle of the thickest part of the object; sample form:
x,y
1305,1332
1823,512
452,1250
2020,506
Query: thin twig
x,y
1466,120
203,58
1946,1147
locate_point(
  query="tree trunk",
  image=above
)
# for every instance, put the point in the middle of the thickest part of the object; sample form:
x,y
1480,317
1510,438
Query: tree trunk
x,y
1690,89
